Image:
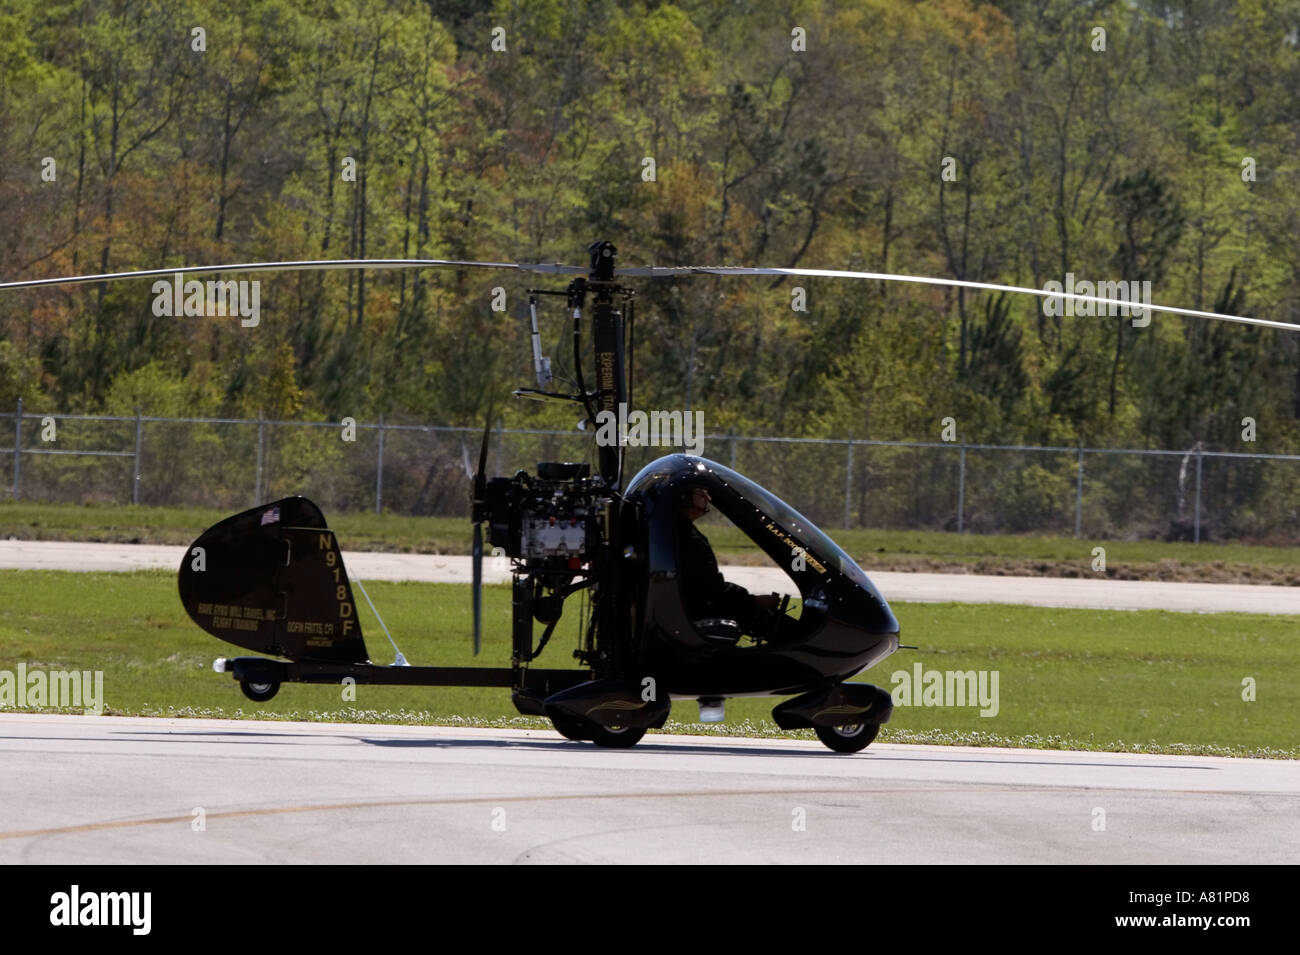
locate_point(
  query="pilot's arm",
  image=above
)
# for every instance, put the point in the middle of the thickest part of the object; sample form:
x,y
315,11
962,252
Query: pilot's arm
x,y
708,594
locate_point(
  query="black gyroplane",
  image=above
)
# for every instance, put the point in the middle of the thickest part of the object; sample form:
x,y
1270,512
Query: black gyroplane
x,y
272,580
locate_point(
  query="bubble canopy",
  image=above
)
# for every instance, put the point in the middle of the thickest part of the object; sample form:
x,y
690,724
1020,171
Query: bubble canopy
x,y
681,469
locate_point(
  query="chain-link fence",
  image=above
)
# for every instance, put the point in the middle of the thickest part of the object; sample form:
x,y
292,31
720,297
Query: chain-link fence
x,y
398,468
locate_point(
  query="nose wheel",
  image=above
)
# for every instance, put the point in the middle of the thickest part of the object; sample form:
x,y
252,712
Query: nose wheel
x,y
848,739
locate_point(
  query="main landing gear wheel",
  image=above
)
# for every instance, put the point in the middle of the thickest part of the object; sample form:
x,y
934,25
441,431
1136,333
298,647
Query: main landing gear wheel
x,y
259,692
620,737
572,729
848,739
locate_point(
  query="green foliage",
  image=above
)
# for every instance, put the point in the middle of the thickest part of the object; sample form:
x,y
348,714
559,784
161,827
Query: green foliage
x,y
1123,164
19,376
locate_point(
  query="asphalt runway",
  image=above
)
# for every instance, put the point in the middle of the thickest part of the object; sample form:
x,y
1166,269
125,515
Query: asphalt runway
x,y
925,588
86,790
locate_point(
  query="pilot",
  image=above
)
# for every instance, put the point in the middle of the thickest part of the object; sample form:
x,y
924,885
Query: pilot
x,y
707,594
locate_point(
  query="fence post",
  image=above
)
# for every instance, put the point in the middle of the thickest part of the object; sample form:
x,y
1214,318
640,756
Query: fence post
x,y
379,469
961,490
1196,520
733,449
848,483
139,440
261,438
1078,499
18,445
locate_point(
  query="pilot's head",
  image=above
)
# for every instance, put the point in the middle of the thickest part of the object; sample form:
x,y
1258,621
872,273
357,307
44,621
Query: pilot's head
x,y
693,503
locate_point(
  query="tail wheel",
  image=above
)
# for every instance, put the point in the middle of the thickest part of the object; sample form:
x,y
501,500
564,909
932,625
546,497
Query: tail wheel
x,y
259,692
621,737
848,739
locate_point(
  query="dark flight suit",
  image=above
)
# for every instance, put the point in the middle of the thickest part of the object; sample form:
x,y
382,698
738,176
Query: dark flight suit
x,y
708,595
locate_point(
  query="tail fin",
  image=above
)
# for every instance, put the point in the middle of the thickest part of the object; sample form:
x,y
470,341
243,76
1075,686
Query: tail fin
x,y
272,580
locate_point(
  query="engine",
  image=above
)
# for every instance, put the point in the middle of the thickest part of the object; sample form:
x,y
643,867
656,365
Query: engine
x,y
554,521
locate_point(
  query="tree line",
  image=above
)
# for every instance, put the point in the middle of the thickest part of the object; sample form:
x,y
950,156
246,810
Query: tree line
x,y
1012,142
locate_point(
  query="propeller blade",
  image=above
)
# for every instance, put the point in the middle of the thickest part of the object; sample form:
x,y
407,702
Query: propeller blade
x,y
483,448
478,586
304,266
480,476
479,514
655,271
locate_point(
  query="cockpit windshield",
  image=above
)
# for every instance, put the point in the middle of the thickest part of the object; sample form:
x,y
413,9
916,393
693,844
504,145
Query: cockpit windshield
x,y
794,522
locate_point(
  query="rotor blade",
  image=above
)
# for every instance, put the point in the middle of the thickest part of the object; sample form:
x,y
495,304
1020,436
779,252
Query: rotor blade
x,y
673,271
304,266
635,271
478,586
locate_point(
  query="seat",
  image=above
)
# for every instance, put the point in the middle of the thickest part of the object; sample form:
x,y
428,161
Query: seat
x,y
723,631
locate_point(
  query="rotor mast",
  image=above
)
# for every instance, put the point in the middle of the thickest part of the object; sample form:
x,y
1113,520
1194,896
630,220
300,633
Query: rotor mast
x,y
609,348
